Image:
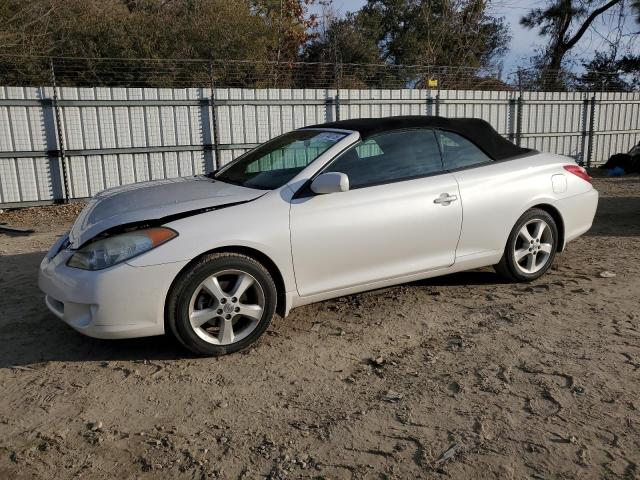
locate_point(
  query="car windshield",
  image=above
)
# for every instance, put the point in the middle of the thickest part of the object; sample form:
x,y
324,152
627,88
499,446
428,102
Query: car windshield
x,y
277,161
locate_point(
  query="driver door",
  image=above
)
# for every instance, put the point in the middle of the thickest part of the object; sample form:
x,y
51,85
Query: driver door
x,y
391,223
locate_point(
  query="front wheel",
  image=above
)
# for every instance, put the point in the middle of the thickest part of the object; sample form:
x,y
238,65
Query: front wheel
x,y
222,304
531,247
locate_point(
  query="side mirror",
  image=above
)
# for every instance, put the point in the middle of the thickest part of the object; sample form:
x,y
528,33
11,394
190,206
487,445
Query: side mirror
x,y
331,182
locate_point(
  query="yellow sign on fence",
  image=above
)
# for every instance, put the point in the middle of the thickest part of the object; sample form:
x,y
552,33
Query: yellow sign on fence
x,y
432,83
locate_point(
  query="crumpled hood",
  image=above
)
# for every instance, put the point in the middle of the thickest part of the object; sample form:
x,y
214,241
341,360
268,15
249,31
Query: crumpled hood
x,y
153,200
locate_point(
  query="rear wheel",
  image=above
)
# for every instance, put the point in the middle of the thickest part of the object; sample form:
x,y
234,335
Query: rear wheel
x,y
531,247
222,304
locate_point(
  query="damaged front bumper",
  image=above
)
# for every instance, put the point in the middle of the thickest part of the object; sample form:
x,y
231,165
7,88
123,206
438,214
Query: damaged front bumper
x,y
122,301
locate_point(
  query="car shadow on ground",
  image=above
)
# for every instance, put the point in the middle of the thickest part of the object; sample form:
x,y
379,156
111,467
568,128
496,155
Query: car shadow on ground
x,y
63,344
617,217
30,334
485,276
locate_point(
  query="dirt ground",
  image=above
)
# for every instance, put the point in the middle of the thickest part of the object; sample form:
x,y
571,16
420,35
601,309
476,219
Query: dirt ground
x,y
458,377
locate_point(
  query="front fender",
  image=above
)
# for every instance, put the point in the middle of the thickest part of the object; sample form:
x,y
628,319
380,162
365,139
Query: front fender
x,y
261,225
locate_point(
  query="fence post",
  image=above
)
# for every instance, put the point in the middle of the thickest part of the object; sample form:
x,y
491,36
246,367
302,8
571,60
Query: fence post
x,y
338,74
214,119
592,124
520,103
583,137
437,104
511,116
61,153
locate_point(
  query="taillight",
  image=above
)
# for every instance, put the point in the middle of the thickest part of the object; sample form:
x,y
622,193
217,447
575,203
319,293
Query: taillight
x,y
578,171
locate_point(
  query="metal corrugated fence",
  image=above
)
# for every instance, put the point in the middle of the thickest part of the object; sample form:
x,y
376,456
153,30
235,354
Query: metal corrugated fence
x,y
111,136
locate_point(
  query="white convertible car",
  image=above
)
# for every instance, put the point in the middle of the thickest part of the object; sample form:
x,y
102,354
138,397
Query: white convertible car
x,y
316,213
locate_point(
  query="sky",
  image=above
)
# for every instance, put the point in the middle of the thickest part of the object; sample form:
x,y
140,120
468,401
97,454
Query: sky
x,y
524,41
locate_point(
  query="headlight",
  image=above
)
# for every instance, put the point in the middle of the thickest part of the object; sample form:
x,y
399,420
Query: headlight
x,y
112,250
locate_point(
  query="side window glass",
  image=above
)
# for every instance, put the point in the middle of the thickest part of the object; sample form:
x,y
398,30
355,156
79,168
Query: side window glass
x,y
390,157
458,152
368,148
277,161
298,153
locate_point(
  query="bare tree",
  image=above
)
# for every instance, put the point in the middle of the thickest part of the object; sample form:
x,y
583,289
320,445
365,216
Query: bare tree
x,y
24,26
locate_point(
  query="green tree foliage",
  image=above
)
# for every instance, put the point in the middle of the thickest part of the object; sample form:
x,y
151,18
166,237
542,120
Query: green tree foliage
x,y
290,22
635,6
411,32
383,32
252,30
402,35
607,73
137,28
344,40
563,23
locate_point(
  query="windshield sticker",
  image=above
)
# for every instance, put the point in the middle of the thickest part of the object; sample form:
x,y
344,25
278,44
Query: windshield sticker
x,y
329,136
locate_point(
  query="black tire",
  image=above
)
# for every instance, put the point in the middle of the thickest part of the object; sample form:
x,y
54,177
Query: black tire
x,y
508,267
180,296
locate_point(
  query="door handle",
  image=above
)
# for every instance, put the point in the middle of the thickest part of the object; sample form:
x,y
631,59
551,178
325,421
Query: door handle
x,y
445,199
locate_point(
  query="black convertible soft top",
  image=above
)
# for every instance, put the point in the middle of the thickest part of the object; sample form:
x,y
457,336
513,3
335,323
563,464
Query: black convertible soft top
x,y
478,131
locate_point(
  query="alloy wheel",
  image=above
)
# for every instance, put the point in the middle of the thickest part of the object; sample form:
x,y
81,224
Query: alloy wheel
x,y
226,307
533,246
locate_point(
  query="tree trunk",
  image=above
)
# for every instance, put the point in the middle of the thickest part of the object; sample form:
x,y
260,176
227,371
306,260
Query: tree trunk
x,y
562,43
551,73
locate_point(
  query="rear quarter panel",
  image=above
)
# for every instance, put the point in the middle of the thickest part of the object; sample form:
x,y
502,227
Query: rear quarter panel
x,y
494,196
